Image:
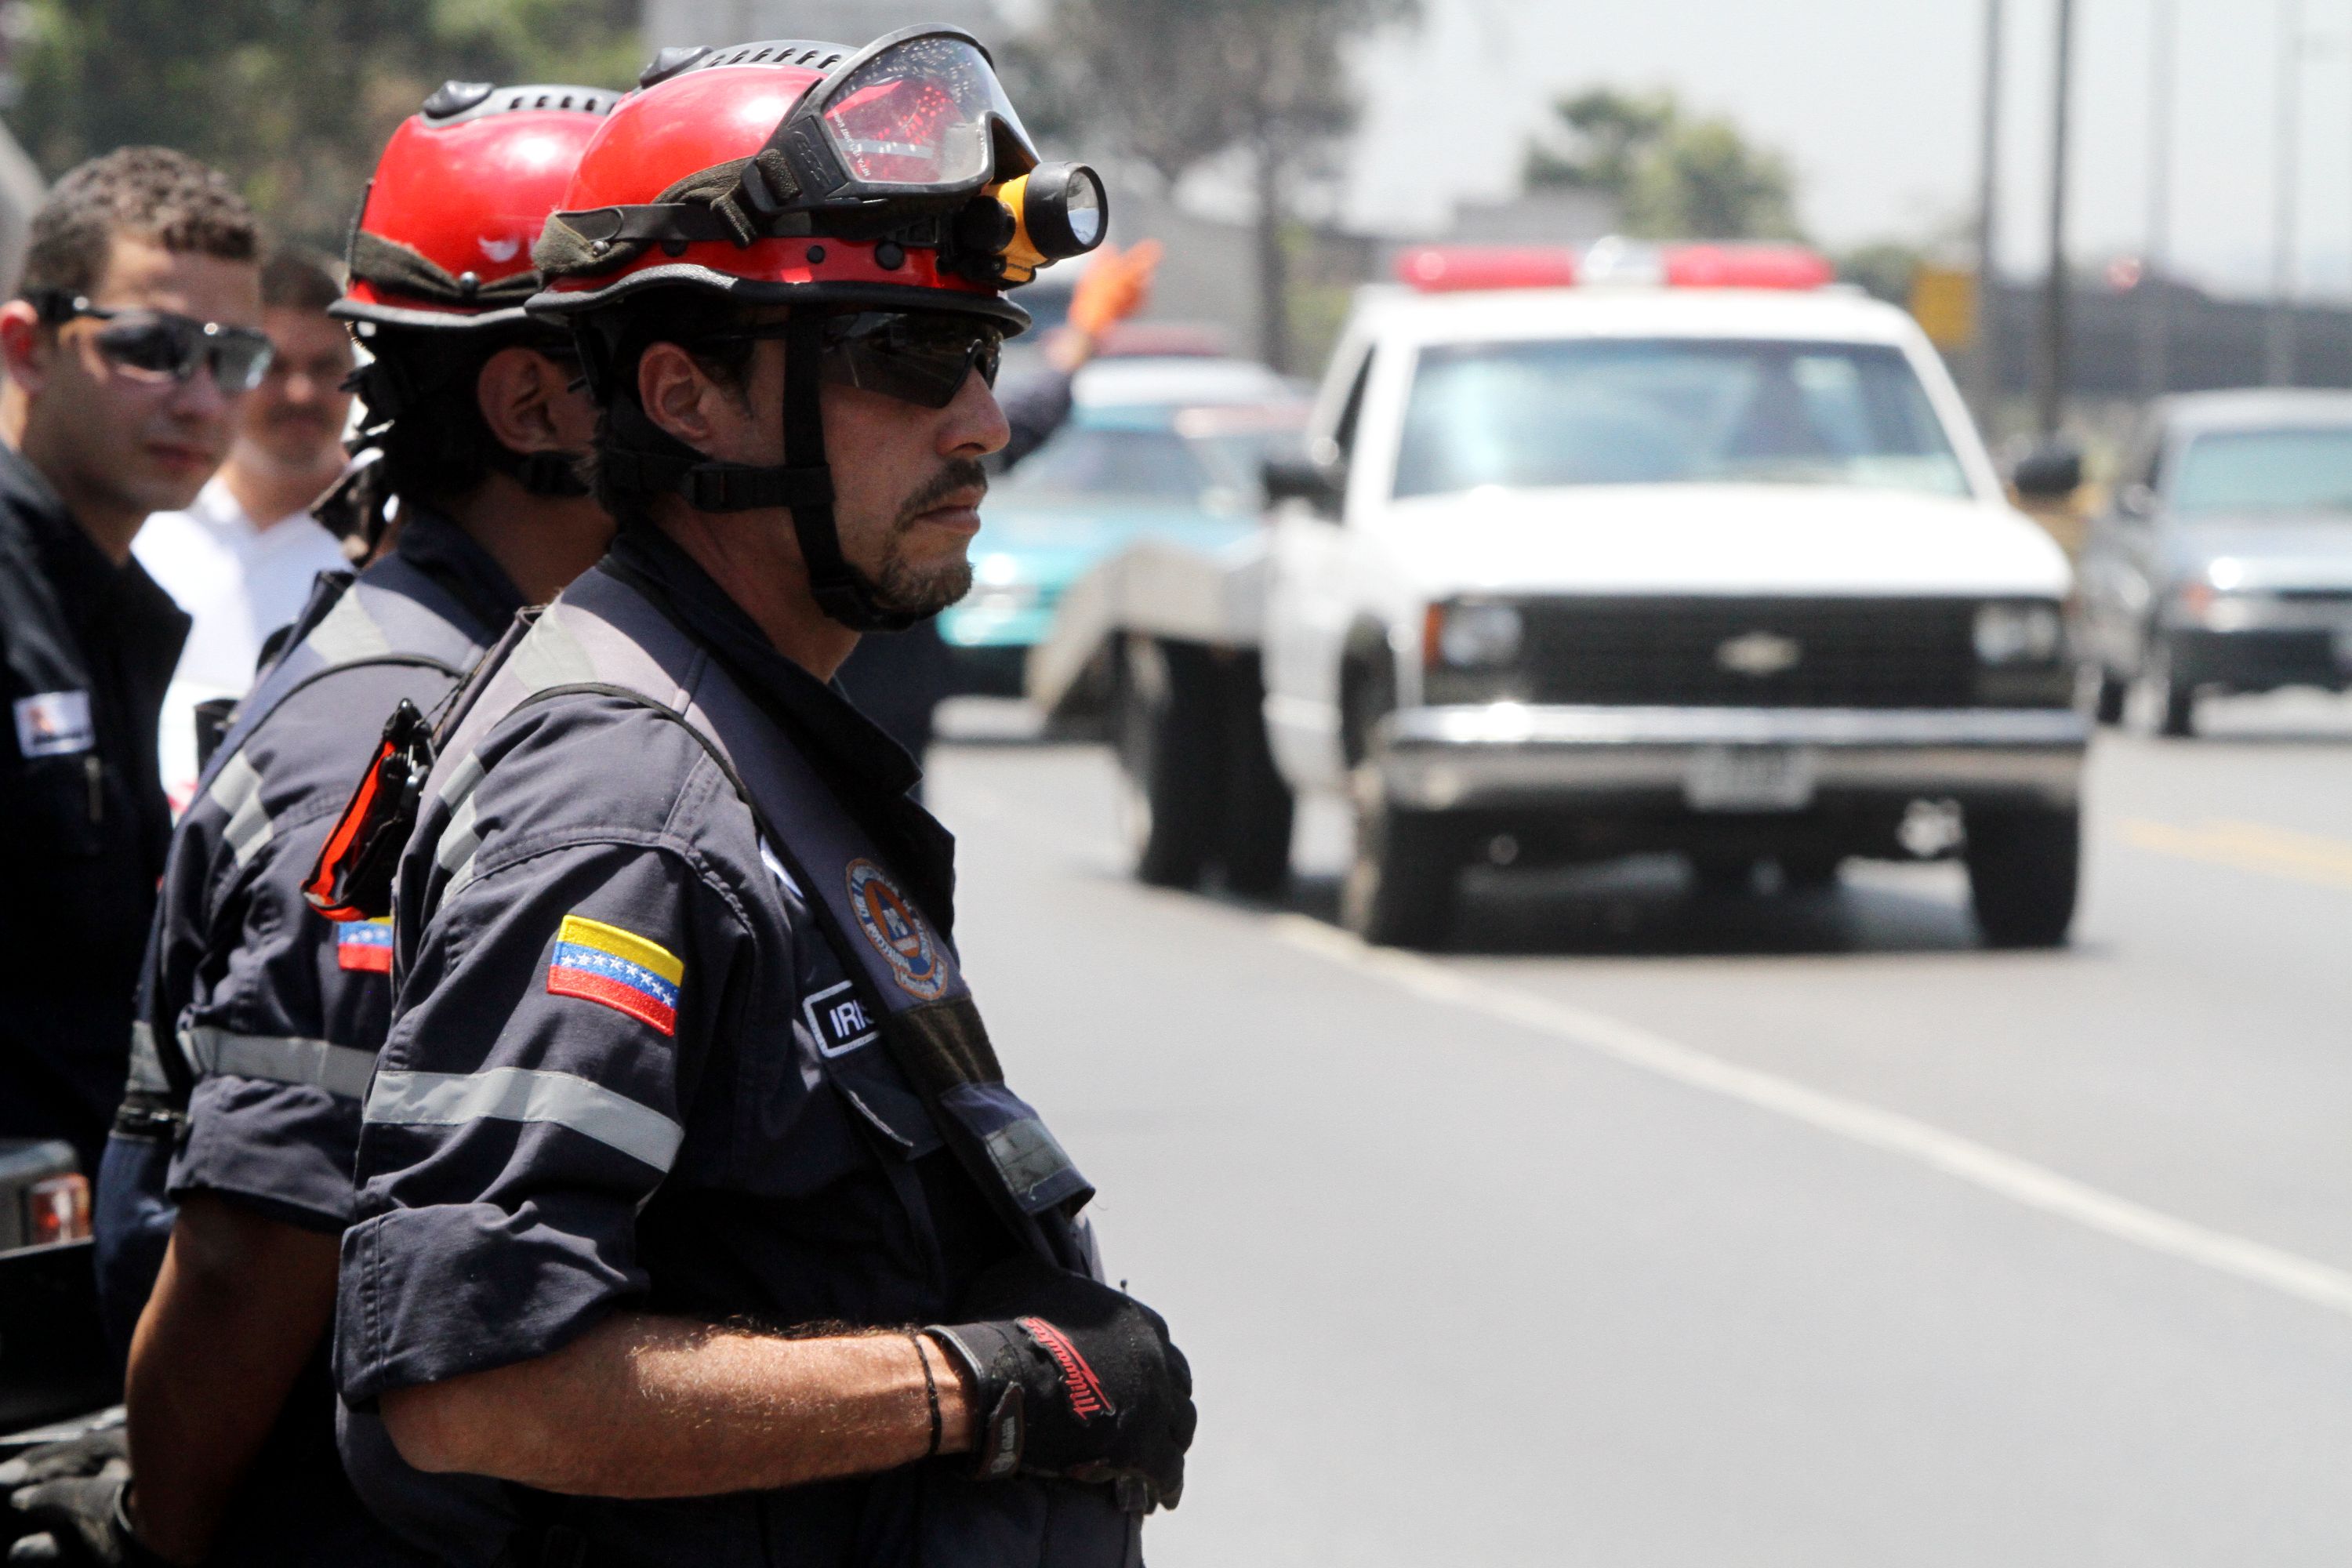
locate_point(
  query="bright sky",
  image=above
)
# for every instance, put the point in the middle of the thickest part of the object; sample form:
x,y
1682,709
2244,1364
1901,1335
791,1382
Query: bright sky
x,y
1876,103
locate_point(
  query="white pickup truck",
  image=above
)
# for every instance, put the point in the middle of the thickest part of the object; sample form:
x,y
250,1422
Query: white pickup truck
x,y
1584,572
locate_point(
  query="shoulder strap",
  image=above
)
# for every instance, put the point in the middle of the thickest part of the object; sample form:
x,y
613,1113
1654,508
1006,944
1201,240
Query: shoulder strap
x,y
940,1046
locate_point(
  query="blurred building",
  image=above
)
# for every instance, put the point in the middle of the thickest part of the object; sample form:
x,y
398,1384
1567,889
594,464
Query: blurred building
x,y
1537,218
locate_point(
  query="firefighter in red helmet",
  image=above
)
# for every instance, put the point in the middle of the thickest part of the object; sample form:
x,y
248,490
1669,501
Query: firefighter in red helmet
x,y
697,1213
259,1020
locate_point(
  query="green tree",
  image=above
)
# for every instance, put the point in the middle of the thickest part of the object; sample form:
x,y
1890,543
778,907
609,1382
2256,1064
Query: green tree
x,y
1674,177
292,98
1173,83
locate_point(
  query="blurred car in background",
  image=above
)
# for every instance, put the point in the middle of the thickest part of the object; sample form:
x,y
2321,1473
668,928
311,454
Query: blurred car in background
x,y
1158,448
2223,562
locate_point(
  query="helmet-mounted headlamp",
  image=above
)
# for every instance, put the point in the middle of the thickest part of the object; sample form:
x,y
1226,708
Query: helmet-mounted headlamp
x,y
910,139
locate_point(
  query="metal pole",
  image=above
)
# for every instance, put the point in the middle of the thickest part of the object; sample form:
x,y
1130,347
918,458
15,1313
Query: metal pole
x,y
2155,281
2278,367
1984,363
2052,388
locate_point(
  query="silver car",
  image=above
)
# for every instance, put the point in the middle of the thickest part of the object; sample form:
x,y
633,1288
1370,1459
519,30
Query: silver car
x,y
2224,563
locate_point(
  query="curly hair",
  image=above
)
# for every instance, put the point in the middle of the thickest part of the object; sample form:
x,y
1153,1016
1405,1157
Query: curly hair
x,y
153,194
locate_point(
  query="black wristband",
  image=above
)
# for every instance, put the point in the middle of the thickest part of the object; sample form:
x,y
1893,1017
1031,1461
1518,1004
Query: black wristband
x,y
931,1392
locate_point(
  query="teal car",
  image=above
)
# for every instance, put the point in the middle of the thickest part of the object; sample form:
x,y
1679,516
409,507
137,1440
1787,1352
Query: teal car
x,y
1113,475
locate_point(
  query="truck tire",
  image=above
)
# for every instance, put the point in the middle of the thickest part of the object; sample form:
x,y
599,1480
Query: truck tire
x,y
2107,704
1171,749
2177,717
2180,719
1258,808
1399,890
2024,870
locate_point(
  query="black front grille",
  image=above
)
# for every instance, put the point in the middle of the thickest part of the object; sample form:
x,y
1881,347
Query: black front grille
x,y
1734,653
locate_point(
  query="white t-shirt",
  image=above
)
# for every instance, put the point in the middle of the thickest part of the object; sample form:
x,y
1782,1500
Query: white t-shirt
x,y
240,583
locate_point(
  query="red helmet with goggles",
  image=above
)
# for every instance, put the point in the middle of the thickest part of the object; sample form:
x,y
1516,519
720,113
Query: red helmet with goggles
x,y
889,194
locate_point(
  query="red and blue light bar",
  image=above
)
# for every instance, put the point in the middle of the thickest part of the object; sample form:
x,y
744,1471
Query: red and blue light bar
x,y
1451,269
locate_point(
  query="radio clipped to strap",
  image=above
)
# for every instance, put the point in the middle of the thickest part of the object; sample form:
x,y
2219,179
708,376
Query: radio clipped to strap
x,y
353,881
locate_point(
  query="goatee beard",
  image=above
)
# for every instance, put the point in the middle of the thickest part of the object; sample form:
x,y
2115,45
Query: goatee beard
x,y
905,588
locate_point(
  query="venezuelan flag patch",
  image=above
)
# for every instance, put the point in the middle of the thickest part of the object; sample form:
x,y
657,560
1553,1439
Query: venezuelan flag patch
x,y
599,963
365,945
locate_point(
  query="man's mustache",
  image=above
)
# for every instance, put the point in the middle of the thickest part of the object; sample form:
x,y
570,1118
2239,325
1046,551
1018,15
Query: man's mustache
x,y
956,475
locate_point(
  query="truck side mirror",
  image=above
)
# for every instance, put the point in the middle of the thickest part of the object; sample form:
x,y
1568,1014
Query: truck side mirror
x,y
2053,473
1322,486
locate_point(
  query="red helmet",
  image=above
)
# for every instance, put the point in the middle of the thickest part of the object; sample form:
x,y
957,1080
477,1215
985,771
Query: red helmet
x,y
443,237
891,187
898,175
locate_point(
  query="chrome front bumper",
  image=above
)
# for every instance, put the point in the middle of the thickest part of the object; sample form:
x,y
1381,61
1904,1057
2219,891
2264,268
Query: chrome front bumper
x,y
1508,754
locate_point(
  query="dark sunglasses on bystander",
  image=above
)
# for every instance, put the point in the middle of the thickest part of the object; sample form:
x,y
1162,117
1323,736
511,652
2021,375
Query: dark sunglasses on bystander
x,y
160,345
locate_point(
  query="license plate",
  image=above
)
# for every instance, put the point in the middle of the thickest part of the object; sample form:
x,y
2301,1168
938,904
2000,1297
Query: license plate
x,y
1749,778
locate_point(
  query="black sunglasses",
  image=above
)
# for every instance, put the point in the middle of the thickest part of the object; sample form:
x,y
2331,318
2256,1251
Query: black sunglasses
x,y
160,345
917,356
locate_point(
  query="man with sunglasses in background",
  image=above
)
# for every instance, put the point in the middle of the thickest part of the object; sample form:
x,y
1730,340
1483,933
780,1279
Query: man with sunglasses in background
x,y
240,559
134,337
698,1224
259,1018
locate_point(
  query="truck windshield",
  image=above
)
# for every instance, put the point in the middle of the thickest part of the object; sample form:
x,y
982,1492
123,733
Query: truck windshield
x,y
1670,411
2266,471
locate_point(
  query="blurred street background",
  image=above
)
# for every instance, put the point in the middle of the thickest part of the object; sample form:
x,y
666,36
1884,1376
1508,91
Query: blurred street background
x,y
1660,1211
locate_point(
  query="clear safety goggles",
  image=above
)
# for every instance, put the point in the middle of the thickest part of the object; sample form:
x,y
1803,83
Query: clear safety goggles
x,y
919,111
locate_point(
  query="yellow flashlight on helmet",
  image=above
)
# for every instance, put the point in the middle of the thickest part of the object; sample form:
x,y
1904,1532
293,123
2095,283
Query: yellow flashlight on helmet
x,y
1058,211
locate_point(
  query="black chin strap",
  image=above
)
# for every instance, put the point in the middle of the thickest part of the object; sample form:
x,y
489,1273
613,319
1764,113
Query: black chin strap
x,y
650,460
842,591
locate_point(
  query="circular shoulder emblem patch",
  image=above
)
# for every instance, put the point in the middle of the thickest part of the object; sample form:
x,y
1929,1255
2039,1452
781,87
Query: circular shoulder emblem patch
x,y
897,932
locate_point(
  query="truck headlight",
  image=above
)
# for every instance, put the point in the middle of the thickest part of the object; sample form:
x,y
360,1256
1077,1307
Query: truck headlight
x,y
1475,636
2019,633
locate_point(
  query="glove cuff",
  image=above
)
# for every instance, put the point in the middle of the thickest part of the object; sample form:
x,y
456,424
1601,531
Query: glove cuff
x,y
136,1554
988,1353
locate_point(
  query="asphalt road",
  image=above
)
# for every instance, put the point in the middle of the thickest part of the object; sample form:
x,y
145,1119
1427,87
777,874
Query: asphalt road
x,y
1643,1228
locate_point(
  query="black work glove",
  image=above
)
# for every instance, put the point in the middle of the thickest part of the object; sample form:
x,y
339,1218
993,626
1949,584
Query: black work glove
x,y
88,1455
82,1522
1074,1379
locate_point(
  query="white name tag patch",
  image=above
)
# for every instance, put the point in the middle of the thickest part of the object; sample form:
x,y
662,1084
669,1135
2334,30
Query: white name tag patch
x,y
838,1019
54,724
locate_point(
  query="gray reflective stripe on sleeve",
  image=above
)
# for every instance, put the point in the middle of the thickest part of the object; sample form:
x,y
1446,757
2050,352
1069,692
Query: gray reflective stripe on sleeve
x,y
458,840
281,1058
146,1063
523,1094
550,656
237,792
348,632
461,780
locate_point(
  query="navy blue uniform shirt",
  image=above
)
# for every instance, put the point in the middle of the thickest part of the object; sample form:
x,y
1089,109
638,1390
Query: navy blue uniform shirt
x,y
87,649
620,1077
276,1011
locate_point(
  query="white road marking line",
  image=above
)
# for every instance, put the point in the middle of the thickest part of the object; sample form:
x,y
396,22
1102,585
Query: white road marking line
x,y
2021,1182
